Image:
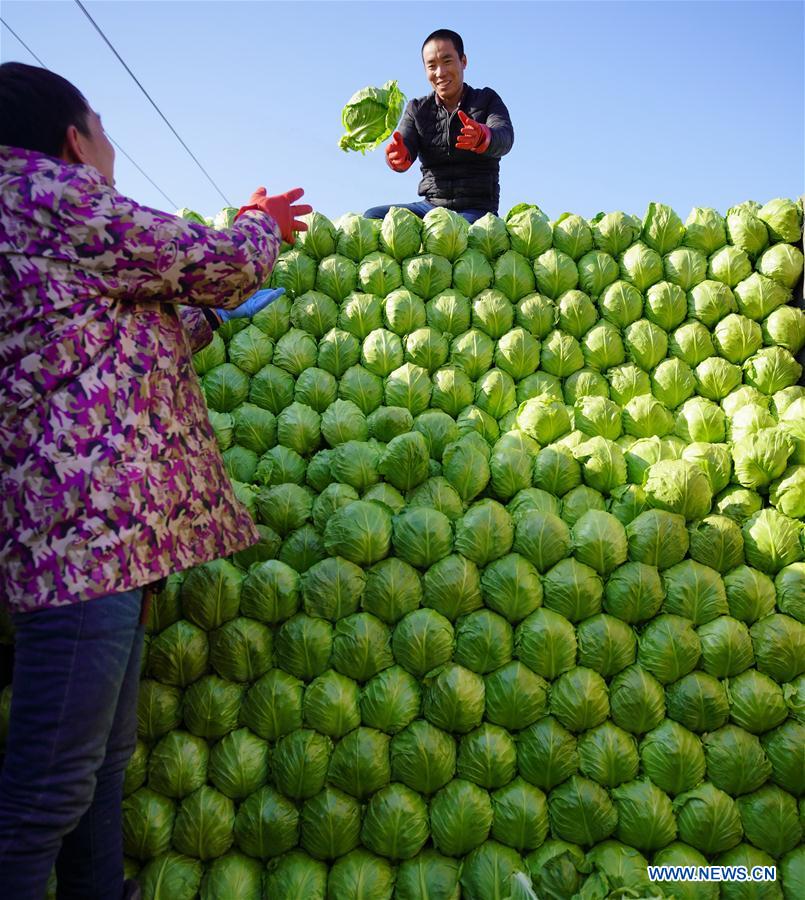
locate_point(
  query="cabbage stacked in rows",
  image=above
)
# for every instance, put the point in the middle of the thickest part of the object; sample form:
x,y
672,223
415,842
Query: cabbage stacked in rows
x,y
530,590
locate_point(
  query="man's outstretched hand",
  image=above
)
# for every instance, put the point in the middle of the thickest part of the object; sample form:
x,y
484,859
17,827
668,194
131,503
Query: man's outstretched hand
x,y
251,306
283,209
474,136
397,154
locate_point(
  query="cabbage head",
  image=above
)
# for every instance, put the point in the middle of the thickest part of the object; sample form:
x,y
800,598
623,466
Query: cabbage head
x,y
204,824
599,540
555,273
360,763
581,811
515,696
735,759
679,487
404,463
606,644
771,541
637,700
444,232
296,874
698,701
356,237
579,699
726,645
400,233
460,817
484,641
428,874
330,824
783,218
370,116
608,755
645,815
210,709
485,533
177,875
603,466
452,586
338,351
422,536
454,698
147,824
232,875
331,704
669,648
708,819
391,700
494,870
487,757
545,641
395,824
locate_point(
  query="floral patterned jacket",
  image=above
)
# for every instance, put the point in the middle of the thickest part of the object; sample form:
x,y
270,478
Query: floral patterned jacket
x,y
110,476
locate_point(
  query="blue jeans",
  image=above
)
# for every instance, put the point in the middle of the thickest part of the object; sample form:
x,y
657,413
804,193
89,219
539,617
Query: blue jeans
x,y
420,208
72,729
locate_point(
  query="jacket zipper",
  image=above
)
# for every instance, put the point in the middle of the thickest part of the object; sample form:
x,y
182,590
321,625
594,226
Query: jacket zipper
x,y
449,116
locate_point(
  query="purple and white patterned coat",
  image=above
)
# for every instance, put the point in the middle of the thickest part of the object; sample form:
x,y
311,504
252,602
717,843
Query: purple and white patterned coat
x,y
110,477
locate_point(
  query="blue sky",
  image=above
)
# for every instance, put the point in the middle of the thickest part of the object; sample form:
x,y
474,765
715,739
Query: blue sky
x,y
614,104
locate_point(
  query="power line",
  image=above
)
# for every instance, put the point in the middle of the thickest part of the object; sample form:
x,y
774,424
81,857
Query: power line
x,y
151,101
137,167
173,203
23,42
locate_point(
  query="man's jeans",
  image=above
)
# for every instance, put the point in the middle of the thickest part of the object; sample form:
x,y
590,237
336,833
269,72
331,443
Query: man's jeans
x,y
420,208
72,730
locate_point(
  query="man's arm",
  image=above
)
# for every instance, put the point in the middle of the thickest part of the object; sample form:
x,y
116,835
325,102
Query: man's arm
x,y
198,329
499,123
146,255
407,129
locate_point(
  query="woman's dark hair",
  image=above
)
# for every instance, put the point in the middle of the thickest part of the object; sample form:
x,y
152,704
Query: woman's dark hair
x,y
445,34
37,107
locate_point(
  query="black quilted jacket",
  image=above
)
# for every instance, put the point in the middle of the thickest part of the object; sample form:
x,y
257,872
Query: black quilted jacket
x,y
458,179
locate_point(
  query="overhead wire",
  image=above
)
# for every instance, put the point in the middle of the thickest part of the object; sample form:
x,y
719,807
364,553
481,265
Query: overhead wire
x,y
151,100
145,175
7,26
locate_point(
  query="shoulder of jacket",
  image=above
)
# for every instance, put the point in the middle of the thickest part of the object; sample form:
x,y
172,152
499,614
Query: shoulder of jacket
x,y
416,103
485,93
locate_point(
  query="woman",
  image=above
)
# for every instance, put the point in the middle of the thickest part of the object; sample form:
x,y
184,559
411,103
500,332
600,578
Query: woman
x,y
110,475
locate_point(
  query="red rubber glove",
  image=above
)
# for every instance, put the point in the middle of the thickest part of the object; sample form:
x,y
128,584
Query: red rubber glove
x,y
474,136
397,154
282,210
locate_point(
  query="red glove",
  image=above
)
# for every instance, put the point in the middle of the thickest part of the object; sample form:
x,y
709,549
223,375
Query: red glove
x,y
474,136
281,210
397,154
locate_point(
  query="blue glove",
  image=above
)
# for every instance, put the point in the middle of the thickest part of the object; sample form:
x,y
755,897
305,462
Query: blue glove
x,y
259,300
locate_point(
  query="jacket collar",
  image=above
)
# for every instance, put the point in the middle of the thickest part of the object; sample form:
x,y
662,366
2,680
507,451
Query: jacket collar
x,y
18,161
464,95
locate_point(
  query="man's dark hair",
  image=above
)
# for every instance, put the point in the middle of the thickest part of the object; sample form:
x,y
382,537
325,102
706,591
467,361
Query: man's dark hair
x,y
445,34
37,107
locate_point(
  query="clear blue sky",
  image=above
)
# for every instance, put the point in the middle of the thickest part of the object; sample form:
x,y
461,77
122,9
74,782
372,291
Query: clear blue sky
x,y
614,104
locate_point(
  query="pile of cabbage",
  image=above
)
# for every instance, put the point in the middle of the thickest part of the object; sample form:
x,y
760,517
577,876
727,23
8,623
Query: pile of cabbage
x,y
528,606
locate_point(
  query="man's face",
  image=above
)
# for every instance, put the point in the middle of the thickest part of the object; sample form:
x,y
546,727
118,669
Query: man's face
x,y
98,148
445,69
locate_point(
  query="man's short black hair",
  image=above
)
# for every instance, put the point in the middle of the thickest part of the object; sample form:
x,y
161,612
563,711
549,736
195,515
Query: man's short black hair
x,y
445,34
37,107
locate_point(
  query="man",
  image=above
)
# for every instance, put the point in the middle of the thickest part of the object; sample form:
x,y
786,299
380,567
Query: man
x,y
110,478
459,134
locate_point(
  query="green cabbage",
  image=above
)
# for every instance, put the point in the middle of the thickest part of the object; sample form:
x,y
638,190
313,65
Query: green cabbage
x,y
370,116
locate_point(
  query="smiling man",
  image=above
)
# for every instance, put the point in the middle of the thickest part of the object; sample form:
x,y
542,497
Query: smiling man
x,y
458,132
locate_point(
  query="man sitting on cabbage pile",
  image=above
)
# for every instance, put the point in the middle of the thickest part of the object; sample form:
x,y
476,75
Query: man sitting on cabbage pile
x,y
459,134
